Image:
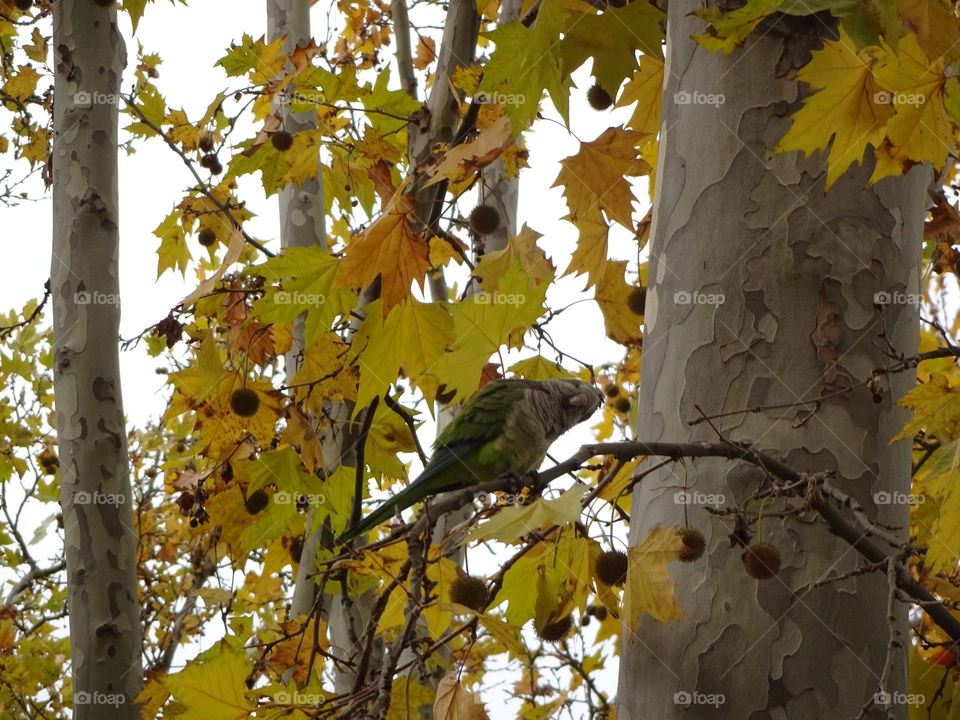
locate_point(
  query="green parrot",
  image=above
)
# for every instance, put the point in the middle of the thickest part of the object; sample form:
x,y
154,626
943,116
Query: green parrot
x,y
507,427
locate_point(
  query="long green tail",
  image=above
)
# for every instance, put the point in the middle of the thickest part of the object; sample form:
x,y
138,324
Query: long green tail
x,y
433,479
402,499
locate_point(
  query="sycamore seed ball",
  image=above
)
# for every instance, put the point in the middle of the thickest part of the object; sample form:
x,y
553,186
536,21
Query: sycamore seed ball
x,y
256,502
484,219
206,143
296,549
282,140
761,561
599,98
556,631
637,300
212,163
469,591
206,237
244,402
598,611
693,544
24,4
611,567
622,404
612,390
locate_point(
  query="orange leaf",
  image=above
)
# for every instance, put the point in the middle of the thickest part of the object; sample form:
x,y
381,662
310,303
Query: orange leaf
x,y
597,175
389,248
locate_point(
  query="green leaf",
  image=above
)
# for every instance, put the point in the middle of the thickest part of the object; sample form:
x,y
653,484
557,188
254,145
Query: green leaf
x,y
612,39
527,62
307,275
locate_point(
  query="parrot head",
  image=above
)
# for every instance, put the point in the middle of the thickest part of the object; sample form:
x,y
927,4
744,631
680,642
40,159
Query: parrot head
x,y
577,401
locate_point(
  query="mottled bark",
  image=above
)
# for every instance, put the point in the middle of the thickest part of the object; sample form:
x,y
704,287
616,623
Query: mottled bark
x,y
752,266
96,497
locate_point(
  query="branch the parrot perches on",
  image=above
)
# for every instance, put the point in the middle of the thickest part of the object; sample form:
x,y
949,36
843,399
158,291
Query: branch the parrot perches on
x,y
507,427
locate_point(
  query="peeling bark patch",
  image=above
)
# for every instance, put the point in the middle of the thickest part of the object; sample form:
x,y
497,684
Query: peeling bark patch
x,y
104,389
109,432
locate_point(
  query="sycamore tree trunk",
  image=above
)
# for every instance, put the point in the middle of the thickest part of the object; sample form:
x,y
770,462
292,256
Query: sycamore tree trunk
x,y
764,284
302,213
96,498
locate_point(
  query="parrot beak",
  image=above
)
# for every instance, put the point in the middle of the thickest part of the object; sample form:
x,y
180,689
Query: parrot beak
x,y
578,401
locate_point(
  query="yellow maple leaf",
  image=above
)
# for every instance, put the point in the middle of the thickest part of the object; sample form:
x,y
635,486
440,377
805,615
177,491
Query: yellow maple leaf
x,y
214,688
455,702
152,698
915,88
521,249
389,435
406,693
645,89
390,248
443,250
221,429
515,589
182,131
597,175
538,368
940,532
935,27
848,107
36,150
623,326
590,256
37,49
23,84
325,374
412,336
441,572
227,509
517,520
649,587
483,323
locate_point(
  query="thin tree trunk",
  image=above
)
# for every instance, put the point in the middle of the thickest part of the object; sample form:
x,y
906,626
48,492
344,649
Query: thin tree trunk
x,y
302,224
765,285
96,497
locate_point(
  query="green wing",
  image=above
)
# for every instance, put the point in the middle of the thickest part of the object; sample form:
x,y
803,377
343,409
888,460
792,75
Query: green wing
x,y
485,415
464,455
